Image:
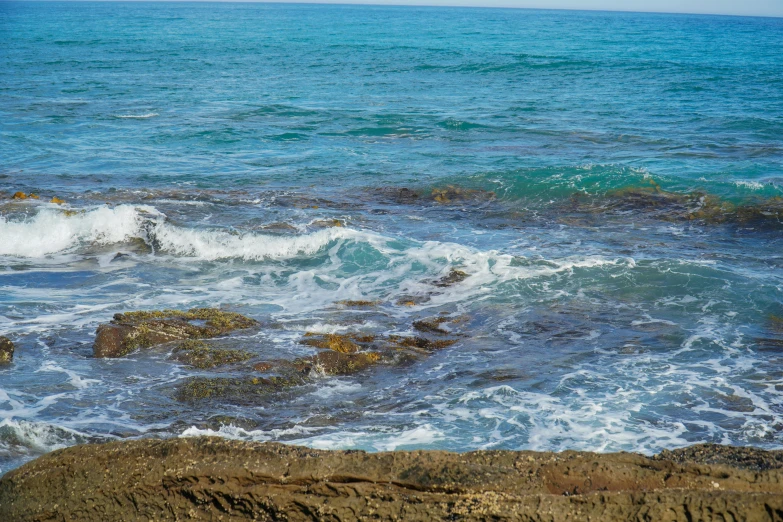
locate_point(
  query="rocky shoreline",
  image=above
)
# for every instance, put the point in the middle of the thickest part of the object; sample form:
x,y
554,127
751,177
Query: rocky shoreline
x,y
216,479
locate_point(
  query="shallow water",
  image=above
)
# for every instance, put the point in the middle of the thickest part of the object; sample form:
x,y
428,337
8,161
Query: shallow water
x,y
583,169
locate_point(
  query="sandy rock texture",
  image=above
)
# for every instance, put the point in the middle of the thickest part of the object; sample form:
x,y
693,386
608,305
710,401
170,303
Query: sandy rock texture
x,y
217,479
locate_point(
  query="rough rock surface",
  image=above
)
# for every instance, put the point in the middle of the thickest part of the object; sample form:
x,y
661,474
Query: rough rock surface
x,y
6,350
132,330
217,479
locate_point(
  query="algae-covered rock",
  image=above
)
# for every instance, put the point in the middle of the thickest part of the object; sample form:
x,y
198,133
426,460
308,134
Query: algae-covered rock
x,y
336,342
132,330
348,303
239,390
413,300
432,325
337,363
57,200
6,350
421,342
455,194
210,478
453,277
200,355
22,195
696,206
327,223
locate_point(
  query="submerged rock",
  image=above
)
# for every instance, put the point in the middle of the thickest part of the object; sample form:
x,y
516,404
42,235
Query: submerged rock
x,y
280,228
450,194
455,194
673,206
6,350
435,324
132,330
453,277
209,478
358,304
327,223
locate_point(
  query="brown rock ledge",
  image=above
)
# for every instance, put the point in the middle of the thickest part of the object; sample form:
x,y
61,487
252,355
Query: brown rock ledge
x,y
217,479
132,330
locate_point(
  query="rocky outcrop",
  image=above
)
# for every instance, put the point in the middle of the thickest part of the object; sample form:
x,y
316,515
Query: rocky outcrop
x,y
22,195
217,479
132,330
700,207
342,354
200,355
6,350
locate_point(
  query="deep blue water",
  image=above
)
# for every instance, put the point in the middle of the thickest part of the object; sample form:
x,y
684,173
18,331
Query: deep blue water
x,y
610,182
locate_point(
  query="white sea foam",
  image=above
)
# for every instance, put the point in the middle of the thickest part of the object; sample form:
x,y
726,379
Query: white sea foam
x,y
229,431
137,116
51,231
752,185
211,245
76,380
26,439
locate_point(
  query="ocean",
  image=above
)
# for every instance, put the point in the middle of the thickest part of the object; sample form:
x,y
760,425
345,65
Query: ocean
x,y
574,218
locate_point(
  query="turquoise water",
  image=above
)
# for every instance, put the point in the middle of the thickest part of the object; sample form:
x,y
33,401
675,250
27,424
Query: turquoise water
x,y
608,182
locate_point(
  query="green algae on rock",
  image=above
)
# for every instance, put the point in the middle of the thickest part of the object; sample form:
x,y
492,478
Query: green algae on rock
x,y
200,355
456,194
345,343
210,478
337,363
348,303
238,390
695,206
132,330
6,350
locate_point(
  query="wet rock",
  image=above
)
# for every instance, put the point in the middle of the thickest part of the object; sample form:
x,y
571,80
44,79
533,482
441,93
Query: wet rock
x,y
327,223
237,390
336,342
736,457
133,330
431,325
344,343
399,196
453,277
337,363
200,355
454,194
413,300
57,200
210,478
421,342
672,206
280,228
358,304
263,366
6,350
22,195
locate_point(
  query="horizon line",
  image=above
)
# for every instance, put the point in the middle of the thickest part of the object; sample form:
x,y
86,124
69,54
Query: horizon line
x,y
371,3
